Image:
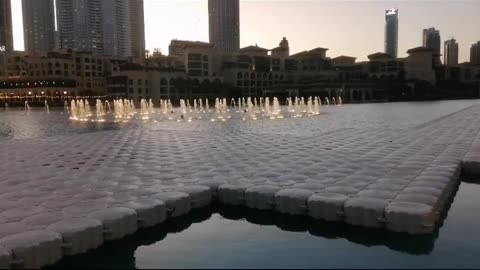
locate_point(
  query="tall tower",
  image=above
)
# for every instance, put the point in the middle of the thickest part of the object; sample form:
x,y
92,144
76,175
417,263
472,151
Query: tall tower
x,y
224,24
137,19
475,53
450,52
6,31
105,27
431,39
391,32
38,25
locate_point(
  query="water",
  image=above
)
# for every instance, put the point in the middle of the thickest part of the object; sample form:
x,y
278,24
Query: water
x,y
244,238
16,125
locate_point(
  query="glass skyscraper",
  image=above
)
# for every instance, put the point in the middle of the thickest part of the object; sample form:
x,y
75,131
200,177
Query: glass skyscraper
x,y
391,32
38,25
224,24
104,27
6,34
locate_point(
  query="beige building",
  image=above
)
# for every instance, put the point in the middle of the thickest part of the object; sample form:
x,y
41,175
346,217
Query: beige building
x,y
86,69
419,64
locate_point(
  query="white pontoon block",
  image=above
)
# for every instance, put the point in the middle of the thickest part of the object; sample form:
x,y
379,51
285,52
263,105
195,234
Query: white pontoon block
x,y
7,229
213,185
42,221
33,249
366,212
150,212
232,194
410,217
292,201
327,206
5,258
200,196
345,190
378,194
117,222
261,197
79,235
178,203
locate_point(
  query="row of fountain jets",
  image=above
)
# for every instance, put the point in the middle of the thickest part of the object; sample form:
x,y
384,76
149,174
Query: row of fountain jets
x,y
252,108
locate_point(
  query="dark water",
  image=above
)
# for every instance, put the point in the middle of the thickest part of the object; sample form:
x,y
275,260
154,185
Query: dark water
x,y
243,238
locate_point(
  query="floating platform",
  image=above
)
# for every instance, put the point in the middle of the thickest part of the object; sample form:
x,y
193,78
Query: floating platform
x,y
65,195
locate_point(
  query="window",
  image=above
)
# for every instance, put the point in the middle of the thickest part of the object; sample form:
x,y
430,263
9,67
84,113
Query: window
x,y
139,81
130,90
130,82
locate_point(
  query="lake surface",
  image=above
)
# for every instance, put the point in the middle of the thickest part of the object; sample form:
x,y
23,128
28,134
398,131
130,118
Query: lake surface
x,y
15,124
225,237
228,237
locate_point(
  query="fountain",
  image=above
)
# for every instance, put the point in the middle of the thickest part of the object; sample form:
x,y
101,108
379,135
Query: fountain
x,y
27,107
65,107
47,109
124,110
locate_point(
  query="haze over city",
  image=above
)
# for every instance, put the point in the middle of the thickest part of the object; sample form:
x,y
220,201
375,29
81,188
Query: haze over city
x,y
353,28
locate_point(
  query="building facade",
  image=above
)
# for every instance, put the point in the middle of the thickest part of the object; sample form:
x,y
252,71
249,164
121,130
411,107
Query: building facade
x,y
38,25
104,27
224,24
6,31
391,32
450,52
475,53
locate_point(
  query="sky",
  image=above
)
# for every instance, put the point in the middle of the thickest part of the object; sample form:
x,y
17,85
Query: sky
x,y
353,28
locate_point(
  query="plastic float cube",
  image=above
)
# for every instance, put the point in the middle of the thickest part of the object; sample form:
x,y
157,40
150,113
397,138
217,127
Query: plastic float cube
x,y
378,194
178,203
310,186
261,197
410,217
417,198
41,221
117,222
213,185
33,249
292,201
7,229
150,212
78,235
327,206
366,212
345,190
200,196
232,194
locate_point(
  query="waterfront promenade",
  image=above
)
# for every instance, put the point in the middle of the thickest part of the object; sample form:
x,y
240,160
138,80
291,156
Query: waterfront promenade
x,y
65,195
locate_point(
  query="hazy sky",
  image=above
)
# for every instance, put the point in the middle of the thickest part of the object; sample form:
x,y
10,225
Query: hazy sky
x,y
353,28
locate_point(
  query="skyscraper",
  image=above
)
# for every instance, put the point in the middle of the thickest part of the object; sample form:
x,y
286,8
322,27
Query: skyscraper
x,y
105,27
450,52
138,28
391,32
224,24
431,39
6,32
38,25
475,53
